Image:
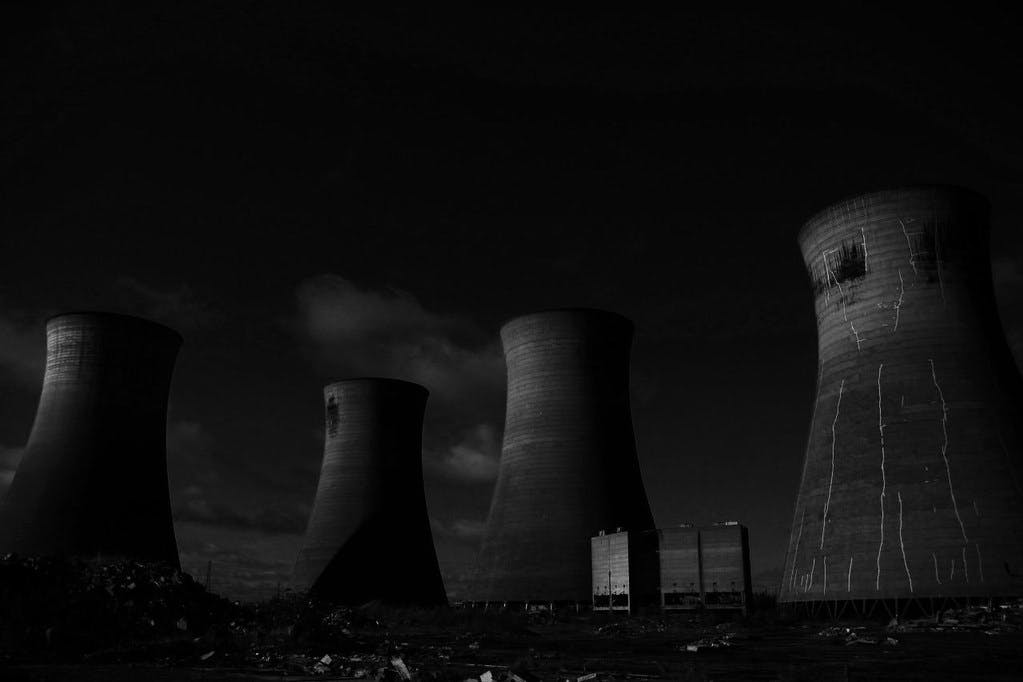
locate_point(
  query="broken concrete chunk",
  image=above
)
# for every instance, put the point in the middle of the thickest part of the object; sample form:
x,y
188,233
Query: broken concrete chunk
x,y
399,665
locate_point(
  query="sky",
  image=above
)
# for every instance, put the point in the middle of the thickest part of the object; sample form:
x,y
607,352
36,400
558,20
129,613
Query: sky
x,y
308,192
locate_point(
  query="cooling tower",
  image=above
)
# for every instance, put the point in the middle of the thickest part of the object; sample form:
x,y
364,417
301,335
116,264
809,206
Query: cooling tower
x,y
910,485
369,535
568,462
93,479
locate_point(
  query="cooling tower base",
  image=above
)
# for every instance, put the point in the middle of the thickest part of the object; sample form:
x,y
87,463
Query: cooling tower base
x,y
886,609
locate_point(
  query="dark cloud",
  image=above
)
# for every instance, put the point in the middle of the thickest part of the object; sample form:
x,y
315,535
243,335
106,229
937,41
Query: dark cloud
x,y
473,459
186,437
9,460
177,307
243,563
200,480
275,519
359,331
387,332
23,348
226,516
465,530
190,455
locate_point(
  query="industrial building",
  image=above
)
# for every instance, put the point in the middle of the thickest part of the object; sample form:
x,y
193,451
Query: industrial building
x,y
679,563
93,479
724,566
678,568
568,461
910,492
624,569
368,536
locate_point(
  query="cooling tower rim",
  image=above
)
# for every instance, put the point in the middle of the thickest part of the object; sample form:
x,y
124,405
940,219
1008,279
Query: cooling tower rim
x,y
104,316
380,381
850,200
592,313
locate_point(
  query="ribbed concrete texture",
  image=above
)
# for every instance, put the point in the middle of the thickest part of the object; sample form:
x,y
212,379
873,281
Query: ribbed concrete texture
x,y
93,479
369,533
568,462
910,485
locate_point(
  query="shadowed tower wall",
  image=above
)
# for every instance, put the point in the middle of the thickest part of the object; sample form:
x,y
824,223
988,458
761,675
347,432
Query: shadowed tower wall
x,y
910,485
369,534
568,461
93,480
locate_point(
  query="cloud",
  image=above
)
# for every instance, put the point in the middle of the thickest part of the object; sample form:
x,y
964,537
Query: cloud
x,y
23,349
474,458
273,519
185,437
195,477
469,528
459,529
1007,273
357,331
177,307
387,332
245,564
190,460
9,460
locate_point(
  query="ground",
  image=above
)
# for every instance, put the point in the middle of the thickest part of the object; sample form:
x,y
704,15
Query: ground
x,y
460,646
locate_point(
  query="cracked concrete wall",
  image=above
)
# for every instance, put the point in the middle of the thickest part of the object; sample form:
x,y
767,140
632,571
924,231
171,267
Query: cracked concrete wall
x,y
568,461
93,480
369,534
911,481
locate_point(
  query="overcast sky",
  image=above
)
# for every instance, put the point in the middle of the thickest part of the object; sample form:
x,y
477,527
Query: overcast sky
x,y
307,193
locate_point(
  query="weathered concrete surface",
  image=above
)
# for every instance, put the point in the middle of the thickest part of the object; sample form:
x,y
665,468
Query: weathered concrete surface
x,y
93,480
910,486
568,461
369,534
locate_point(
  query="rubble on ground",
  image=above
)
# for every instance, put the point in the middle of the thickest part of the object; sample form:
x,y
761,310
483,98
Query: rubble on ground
x,y
709,642
634,626
991,619
131,612
72,607
856,635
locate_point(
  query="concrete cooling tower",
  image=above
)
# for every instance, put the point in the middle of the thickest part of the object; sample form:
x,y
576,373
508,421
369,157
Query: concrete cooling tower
x,y
93,480
911,482
369,535
568,462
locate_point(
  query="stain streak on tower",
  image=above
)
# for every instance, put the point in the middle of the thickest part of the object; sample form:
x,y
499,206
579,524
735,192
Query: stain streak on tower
x,y
568,461
369,534
93,480
910,482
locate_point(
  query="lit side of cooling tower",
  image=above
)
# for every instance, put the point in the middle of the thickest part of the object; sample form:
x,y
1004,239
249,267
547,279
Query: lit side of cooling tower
x,y
93,479
369,534
568,462
911,482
